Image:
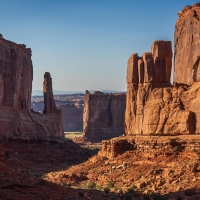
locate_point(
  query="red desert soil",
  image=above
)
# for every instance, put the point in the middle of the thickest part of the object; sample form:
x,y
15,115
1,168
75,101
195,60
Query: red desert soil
x,y
64,170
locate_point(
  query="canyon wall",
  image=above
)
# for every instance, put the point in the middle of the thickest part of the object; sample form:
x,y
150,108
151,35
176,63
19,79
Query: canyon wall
x,y
103,116
17,121
72,117
187,45
154,106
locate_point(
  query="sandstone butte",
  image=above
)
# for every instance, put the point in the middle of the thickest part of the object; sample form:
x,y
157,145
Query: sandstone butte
x,y
17,120
103,116
155,107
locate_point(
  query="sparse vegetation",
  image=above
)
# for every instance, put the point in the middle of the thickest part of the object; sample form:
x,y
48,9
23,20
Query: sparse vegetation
x,y
91,185
110,184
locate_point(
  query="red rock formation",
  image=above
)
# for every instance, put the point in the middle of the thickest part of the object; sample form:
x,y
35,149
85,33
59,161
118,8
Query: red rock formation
x,y
187,46
16,119
72,117
103,116
16,74
153,106
49,103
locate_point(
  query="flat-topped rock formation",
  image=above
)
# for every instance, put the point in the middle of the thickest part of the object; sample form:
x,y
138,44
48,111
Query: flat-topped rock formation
x,y
16,119
187,45
103,116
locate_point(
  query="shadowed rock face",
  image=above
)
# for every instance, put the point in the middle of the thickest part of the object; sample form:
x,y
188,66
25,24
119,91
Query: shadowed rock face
x,y
16,74
187,45
103,116
16,119
49,103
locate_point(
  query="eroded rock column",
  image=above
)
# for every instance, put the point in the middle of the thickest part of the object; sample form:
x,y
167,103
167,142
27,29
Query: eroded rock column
x,y
49,103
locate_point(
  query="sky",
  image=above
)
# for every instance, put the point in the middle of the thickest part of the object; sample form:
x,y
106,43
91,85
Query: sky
x,y
85,44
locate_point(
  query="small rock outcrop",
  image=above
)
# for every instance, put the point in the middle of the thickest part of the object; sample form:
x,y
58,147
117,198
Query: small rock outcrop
x,y
16,119
187,45
103,116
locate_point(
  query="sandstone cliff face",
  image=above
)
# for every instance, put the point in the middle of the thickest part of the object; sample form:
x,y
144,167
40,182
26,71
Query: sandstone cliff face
x,y
72,117
16,119
103,116
16,74
187,45
154,106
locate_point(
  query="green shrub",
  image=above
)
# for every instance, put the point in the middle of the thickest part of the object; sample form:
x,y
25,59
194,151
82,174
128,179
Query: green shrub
x,y
110,184
91,185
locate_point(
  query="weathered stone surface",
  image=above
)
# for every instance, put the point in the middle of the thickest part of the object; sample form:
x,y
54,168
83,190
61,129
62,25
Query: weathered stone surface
x,y
187,46
16,74
16,119
72,117
103,116
150,145
148,67
49,103
155,106
162,55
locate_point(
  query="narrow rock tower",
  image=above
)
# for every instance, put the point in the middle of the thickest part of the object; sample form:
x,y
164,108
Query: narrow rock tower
x,y
49,103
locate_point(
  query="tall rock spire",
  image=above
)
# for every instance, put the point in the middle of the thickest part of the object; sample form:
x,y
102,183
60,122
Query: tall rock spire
x,y
49,103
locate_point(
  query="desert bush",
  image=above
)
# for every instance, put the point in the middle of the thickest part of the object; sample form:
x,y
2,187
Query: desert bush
x,y
91,185
110,184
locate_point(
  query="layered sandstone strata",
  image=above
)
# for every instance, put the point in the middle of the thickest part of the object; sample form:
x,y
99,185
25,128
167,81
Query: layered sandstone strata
x,y
16,119
150,146
103,116
154,106
16,74
187,45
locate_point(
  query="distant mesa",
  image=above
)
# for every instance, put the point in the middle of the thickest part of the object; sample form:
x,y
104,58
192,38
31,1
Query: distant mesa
x,y
103,116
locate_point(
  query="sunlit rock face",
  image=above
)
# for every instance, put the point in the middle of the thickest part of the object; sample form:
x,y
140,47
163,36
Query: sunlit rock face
x,y
153,105
187,45
17,121
103,116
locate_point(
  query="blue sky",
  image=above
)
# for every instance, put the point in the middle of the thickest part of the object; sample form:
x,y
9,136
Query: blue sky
x,y
85,44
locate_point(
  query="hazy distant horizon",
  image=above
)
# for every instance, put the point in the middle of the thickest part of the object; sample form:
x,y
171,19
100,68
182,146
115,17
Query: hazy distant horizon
x,y
57,92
